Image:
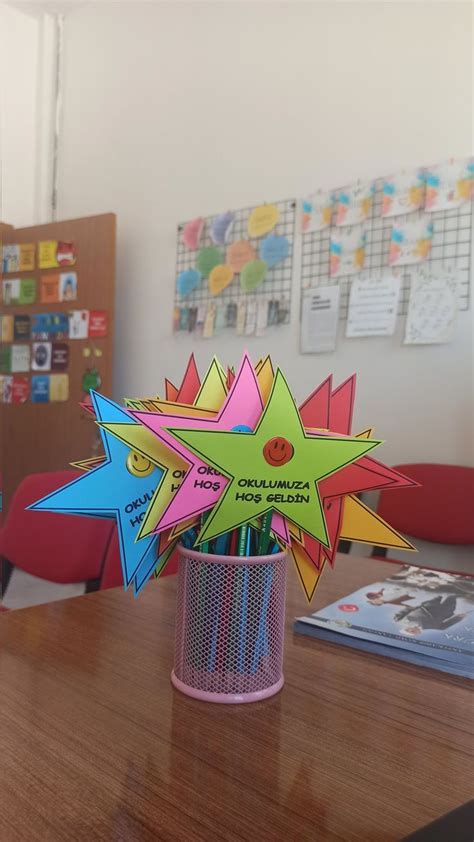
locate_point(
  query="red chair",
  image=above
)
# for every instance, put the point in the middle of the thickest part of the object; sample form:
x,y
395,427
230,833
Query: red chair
x,y
60,548
439,510
112,573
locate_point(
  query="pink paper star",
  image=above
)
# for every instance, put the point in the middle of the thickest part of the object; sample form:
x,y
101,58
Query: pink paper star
x,y
202,486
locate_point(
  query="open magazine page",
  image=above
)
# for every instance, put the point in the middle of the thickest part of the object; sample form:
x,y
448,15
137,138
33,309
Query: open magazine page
x,y
420,611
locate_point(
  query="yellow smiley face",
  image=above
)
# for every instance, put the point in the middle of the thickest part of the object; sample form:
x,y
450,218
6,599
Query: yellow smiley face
x,y
139,465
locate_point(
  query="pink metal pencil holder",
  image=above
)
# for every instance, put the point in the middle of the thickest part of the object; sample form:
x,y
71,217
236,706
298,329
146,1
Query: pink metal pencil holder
x,y
230,621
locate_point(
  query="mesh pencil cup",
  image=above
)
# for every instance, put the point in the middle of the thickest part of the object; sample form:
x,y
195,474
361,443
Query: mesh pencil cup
x,y
230,620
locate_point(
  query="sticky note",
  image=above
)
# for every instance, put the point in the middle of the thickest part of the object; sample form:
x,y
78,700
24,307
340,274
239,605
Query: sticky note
x,y
262,220
219,278
221,227
239,253
207,259
192,233
252,275
274,249
187,281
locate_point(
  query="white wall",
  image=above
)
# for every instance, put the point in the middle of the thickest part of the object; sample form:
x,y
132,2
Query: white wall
x,y
26,112
176,110
18,81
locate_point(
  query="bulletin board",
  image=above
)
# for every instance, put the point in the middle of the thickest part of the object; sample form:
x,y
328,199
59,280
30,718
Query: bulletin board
x,y
451,247
37,437
278,282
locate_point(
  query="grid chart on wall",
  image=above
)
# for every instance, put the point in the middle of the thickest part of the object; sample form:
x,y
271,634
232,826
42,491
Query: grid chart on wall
x,y
278,282
451,246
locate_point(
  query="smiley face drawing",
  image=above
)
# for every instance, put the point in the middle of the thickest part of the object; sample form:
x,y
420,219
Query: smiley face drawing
x,y
138,465
278,451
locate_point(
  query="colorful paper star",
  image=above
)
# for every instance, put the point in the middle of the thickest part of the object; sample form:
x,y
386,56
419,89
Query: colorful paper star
x,y
271,472
112,490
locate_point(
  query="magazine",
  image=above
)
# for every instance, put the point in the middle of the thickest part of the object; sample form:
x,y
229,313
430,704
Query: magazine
x,y
425,617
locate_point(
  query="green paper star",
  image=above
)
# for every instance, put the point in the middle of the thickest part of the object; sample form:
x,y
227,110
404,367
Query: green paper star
x,y
277,467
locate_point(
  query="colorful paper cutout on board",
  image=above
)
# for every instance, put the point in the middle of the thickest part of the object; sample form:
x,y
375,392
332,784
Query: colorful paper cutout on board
x,y
78,324
10,260
58,287
221,227
262,220
432,308
59,356
6,328
450,184
347,251
45,326
403,192
410,242
354,203
279,445
98,324
47,254
112,490
317,210
5,359
20,388
207,258
19,291
21,328
192,232
219,278
187,281
58,387
54,253
27,259
65,253
41,356
20,358
253,274
274,249
6,387
239,253
49,289
40,388
18,257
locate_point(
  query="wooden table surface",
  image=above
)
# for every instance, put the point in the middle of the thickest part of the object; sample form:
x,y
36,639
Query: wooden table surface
x,y
96,745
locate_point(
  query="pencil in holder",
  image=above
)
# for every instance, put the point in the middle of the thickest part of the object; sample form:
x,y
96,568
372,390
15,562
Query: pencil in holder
x,y
230,621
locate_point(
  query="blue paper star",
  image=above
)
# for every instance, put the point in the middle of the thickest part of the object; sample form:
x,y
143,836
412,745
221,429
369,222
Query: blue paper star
x,y
112,491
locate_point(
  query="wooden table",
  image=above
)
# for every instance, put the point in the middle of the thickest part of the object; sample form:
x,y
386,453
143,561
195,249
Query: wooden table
x,y
96,745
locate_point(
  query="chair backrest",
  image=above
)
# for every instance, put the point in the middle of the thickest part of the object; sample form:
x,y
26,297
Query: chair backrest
x,y
61,548
439,510
112,573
